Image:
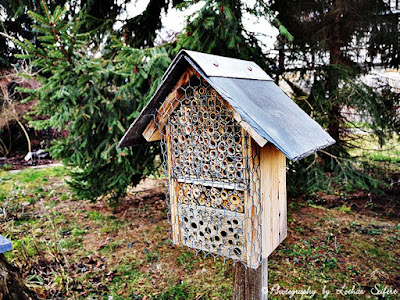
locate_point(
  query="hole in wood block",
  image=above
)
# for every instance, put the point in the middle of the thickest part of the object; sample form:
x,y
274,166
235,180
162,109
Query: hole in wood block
x,y
237,251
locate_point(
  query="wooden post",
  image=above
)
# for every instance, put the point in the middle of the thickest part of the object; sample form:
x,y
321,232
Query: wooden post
x,y
250,284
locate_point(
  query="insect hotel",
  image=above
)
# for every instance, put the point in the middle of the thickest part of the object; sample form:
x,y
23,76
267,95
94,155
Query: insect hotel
x,y
226,130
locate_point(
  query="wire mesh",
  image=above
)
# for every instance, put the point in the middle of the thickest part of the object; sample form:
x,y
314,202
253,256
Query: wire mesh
x,y
213,174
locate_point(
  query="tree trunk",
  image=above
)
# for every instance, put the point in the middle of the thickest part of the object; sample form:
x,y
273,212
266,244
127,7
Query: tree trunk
x,y
12,286
333,76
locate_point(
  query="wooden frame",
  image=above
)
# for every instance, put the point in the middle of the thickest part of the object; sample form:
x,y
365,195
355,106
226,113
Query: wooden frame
x,y
265,212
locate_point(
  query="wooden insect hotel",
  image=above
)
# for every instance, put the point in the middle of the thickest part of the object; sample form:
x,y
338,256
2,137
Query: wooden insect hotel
x,y
226,130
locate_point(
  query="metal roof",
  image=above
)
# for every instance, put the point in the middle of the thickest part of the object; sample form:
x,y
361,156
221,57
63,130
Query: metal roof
x,y
252,94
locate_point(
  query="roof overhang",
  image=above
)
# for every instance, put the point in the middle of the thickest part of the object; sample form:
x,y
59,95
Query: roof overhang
x,y
259,105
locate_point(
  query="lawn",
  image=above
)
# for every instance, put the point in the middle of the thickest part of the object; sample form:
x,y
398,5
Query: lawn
x,y
71,248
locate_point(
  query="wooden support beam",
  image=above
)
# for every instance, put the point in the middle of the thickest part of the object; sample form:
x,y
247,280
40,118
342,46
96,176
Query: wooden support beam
x,y
250,284
173,194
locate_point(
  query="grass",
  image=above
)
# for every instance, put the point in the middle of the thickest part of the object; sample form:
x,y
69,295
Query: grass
x,y
72,248
367,147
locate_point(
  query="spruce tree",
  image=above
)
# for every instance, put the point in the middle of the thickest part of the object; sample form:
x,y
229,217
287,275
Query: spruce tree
x,y
335,44
93,100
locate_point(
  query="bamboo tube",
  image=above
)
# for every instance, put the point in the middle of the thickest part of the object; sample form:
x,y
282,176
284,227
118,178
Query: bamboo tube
x,y
181,139
224,164
213,199
201,139
213,154
224,195
187,109
237,139
229,141
225,118
211,102
216,167
213,116
225,204
221,147
186,171
186,164
212,144
234,199
231,169
196,192
232,207
182,120
201,201
224,173
239,166
206,158
231,151
240,209
201,90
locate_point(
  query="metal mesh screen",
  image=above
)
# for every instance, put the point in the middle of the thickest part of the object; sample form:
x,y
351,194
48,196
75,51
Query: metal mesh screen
x,y
213,174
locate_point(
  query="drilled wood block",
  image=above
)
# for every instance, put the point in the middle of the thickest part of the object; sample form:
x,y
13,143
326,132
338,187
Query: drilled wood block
x,y
215,230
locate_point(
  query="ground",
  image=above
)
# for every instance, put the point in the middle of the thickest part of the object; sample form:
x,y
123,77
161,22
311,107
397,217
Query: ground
x,y
73,248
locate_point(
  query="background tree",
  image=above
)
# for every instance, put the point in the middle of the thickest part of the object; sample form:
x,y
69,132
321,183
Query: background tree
x,y
335,44
94,100
100,18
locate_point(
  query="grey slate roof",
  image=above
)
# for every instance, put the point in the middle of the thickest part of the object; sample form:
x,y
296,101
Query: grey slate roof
x,y
252,94
5,244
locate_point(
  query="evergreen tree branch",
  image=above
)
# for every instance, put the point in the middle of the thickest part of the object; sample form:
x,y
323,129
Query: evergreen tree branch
x,y
53,29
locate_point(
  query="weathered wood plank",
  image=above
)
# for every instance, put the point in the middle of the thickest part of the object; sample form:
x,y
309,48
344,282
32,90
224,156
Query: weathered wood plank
x,y
273,193
216,184
250,284
173,195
